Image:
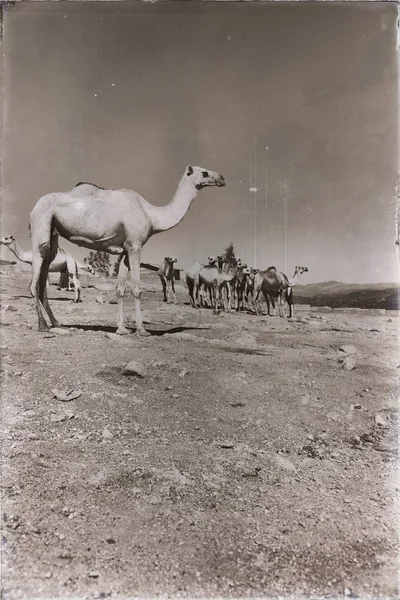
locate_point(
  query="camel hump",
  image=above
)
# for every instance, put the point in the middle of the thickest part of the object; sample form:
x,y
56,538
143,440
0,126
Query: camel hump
x,y
88,183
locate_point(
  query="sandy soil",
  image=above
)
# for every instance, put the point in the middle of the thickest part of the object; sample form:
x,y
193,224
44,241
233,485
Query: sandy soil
x,y
246,462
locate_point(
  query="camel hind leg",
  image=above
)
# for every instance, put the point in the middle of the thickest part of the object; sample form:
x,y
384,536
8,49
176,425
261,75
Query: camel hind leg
x,y
40,270
123,271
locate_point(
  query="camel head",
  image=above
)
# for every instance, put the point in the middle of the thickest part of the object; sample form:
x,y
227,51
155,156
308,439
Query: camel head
x,y
170,259
212,261
204,178
9,240
300,270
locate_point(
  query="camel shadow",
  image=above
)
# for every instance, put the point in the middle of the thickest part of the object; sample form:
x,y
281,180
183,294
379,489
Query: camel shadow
x,y
62,299
152,329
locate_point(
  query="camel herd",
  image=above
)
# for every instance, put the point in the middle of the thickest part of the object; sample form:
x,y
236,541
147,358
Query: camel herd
x,y
120,222
232,284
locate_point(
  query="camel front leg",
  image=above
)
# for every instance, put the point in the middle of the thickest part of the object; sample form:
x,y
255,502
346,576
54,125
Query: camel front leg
x,y
173,291
134,264
164,288
121,286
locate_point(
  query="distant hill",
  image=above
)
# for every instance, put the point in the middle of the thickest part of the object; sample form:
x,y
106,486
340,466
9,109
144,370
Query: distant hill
x,y
340,295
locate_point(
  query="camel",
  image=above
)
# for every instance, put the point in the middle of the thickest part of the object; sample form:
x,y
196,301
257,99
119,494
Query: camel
x,y
249,287
190,276
216,279
272,282
63,263
115,221
229,288
167,276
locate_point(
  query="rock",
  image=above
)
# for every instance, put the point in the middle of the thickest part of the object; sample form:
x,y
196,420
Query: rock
x,y
133,368
284,463
58,418
175,396
107,435
226,445
379,420
110,540
93,574
67,395
348,349
69,414
59,331
183,373
237,404
100,300
349,363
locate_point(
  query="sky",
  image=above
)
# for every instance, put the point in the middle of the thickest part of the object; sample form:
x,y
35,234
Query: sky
x,y
126,95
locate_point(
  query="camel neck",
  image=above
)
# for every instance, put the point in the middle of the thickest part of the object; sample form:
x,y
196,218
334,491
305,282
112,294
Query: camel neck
x,y
22,255
167,217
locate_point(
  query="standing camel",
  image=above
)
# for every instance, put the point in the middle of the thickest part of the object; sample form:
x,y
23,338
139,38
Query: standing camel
x,y
114,221
274,283
190,276
214,278
63,263
167,276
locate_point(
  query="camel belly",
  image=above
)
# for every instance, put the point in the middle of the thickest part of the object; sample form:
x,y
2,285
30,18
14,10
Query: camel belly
x,y
105,224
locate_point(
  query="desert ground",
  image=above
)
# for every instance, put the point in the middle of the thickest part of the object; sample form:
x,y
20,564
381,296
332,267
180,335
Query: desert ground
x,y
247,457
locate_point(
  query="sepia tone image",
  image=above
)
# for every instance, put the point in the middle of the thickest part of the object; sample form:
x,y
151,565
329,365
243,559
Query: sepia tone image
x,y
199,279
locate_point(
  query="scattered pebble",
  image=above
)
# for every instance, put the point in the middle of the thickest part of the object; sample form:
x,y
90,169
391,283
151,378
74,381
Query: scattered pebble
x,y
183,373
349,363
93,574
237,404
110,540
226,444
100,300
348,349
107,435
175,396
284,463
66,395
133,368
379,420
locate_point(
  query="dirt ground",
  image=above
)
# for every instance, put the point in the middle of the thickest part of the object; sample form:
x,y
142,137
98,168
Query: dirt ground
x,y
248,461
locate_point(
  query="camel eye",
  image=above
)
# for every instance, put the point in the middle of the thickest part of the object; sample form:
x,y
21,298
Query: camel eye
x,y
204,173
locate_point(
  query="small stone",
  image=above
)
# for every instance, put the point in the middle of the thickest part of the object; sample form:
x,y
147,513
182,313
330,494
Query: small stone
x,y
175,396
348,349
100,300
183,373
110,540
379,420
48,575
226,444
285,463
59,331
357,406
349,363
133,368
66,395
94,574
58,418
237,404
347,592
69,414
126,453
107,435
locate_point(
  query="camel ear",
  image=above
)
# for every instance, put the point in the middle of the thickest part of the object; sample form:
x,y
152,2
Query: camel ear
x,y
189,170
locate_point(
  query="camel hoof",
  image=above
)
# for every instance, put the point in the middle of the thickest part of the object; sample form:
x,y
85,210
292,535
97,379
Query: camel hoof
x,y
43,329
123,331
142,333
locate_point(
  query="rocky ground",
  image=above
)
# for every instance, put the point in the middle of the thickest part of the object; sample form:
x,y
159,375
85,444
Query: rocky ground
x,y
255,456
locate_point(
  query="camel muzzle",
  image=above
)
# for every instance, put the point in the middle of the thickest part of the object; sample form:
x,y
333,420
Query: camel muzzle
x,y
220,182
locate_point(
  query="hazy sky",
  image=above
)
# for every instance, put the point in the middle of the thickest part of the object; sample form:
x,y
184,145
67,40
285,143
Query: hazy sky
x,y
126,95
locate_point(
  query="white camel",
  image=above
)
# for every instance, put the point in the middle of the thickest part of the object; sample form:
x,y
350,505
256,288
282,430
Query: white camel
x,y
115,221
216,279
63,263
275,283
190,276
167,276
